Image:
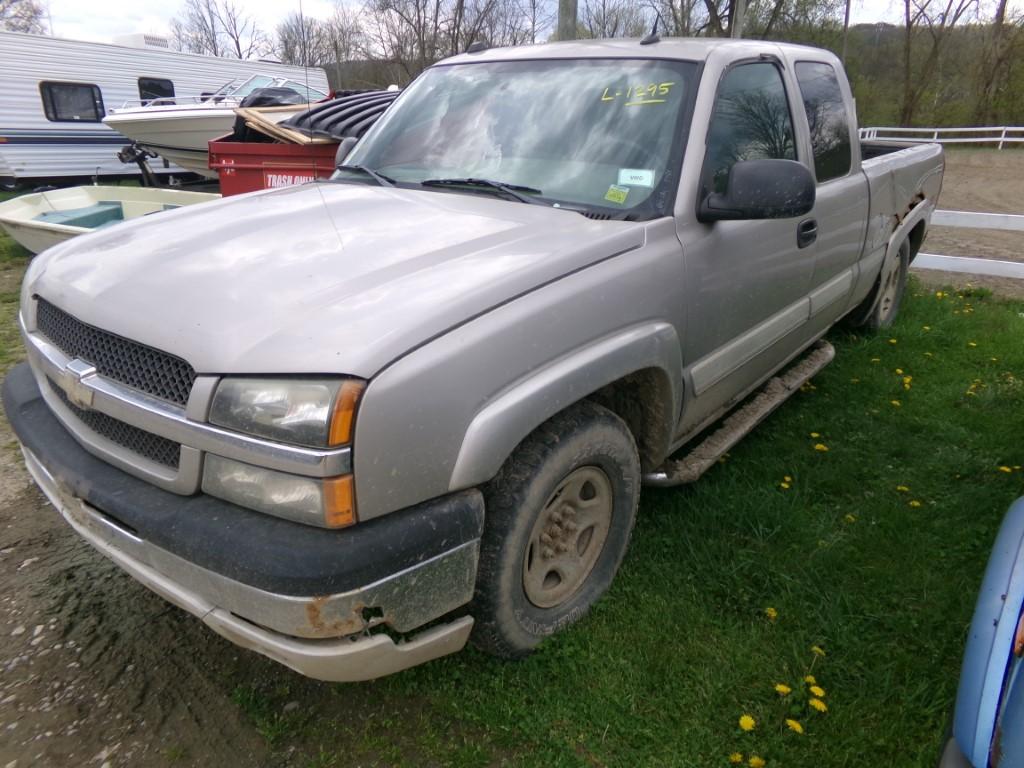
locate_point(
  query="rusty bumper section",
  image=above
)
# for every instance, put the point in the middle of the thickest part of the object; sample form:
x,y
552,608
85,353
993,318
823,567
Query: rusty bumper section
x,y
272,624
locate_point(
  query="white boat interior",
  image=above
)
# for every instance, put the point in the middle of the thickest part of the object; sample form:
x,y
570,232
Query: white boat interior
x,y
42,219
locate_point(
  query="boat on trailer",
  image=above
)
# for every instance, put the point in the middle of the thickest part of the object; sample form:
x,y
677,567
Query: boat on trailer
x,y
180,129
43,219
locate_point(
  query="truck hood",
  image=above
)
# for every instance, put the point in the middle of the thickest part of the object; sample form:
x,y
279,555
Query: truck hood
x,y
322,278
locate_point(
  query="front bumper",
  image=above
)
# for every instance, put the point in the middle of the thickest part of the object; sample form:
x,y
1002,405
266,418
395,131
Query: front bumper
x,y
302,596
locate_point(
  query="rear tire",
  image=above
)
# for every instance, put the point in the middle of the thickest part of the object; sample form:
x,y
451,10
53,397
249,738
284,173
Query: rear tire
x,y
879,310
559,517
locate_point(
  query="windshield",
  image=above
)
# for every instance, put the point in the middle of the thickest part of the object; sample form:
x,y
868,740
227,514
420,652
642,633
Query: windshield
x,y
601,134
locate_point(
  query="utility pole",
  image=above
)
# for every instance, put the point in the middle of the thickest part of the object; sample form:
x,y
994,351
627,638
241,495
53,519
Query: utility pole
x,y
739,10
846,31
566,19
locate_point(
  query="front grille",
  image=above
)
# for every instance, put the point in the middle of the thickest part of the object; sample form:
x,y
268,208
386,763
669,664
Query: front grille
x,y
150,446
136,365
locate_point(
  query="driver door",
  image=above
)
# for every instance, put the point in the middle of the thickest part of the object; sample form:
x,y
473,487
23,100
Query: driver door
x,y
746,282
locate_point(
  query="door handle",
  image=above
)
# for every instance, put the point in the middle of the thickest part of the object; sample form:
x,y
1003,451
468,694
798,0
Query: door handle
x,y
806,233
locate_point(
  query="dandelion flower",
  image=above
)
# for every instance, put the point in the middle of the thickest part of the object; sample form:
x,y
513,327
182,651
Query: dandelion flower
x,y
820,447
926,328
971,344
747,723
818,691
1005,469
876,359
771,613
895,403
817,651
794,725
902,488
736,758
782,689
784,486
809,679
892,341
850,518
756,762
787,479
915,503
815,434
899,371
939,294
819,705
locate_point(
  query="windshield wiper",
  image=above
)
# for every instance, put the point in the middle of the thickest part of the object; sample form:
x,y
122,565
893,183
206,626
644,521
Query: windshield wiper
x,y
380,178
511,190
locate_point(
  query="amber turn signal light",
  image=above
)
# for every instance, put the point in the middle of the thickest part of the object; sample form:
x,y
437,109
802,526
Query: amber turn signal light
x,y
339,502
1018,642
344,413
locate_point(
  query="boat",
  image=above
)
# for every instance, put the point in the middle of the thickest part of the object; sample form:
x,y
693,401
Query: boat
x,y
179,129
42,219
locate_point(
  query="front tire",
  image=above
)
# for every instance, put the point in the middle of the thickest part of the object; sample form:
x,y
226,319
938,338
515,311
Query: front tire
x,y
559,517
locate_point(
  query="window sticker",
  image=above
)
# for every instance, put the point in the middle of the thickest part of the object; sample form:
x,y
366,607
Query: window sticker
x,y
637,95
636,177
616,194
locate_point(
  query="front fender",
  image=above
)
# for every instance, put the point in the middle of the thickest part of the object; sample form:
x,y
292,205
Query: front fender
x,y
505,421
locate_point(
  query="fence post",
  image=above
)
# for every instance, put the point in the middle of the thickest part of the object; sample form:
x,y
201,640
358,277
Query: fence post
x,y
1002,138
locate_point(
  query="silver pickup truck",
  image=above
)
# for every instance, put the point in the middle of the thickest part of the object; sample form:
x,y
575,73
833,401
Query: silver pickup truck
x,y
354,424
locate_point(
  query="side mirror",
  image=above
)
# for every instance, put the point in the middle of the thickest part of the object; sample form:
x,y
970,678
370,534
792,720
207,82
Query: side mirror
x,y
761,189
344,147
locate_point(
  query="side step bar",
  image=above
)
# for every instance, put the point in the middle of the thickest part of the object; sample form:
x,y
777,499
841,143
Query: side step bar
x,y
741,421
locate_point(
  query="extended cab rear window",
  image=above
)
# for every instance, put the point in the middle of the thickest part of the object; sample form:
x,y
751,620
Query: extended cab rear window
x,y
827,119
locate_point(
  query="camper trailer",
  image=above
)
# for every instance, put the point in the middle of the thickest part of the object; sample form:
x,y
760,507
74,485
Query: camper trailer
x,y
57,92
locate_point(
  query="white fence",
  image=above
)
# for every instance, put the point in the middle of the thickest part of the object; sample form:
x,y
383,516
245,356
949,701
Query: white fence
x,y
1000,136
972,265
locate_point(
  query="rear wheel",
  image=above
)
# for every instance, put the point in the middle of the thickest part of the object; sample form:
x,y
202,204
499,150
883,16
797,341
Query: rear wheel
x,y
879,309
559,517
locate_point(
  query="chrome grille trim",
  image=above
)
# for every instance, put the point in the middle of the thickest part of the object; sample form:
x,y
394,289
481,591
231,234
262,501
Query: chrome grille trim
x,y
159,417
137,365
138,441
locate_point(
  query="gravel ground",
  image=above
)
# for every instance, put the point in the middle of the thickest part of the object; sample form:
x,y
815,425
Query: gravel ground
x,y
989,181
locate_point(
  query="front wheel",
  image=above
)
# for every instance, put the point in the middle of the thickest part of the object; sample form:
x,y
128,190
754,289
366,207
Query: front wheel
x,y
559,517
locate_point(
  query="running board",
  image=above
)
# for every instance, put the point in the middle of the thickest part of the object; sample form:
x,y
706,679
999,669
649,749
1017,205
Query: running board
x,y
741,421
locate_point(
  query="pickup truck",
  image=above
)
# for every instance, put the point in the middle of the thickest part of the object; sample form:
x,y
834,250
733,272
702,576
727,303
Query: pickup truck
x,y
355,424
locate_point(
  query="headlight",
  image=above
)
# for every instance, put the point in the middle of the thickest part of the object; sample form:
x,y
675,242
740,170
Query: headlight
x,y
325,502
318,413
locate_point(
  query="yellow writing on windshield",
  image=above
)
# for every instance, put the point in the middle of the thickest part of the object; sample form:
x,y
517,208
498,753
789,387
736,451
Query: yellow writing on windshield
x,y
639,94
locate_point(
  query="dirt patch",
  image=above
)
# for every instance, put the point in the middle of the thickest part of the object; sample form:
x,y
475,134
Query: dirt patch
x,y
987,181
96,669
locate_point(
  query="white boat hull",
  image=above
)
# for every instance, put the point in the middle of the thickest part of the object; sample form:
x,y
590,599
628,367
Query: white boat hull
x,y
18,215
181,135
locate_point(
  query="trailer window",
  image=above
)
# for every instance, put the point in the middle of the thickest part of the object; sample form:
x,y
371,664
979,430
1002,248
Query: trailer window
x,y
152,88
827,119
72,102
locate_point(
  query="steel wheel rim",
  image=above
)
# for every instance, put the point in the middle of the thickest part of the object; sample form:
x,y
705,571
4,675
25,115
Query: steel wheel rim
x,y
890,288
568,537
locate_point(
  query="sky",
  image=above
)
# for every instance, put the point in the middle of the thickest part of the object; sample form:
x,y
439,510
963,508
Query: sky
x,y
101,21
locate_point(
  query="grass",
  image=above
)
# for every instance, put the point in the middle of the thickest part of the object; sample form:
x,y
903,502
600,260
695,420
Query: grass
x,y
883,580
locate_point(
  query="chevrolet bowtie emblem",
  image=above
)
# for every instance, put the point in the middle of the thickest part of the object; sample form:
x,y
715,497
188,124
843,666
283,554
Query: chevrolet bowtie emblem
x,y
73,382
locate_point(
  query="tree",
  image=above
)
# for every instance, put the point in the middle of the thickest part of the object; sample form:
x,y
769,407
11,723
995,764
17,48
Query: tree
x,y
217,28
245,39
22,16
927,24
613,18
303,41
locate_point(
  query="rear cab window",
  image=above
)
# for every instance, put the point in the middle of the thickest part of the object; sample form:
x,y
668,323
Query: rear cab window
x,y
827,119
751,121
72,102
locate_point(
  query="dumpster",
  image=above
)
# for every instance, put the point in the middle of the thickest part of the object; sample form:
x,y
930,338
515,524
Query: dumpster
x,y
249,166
